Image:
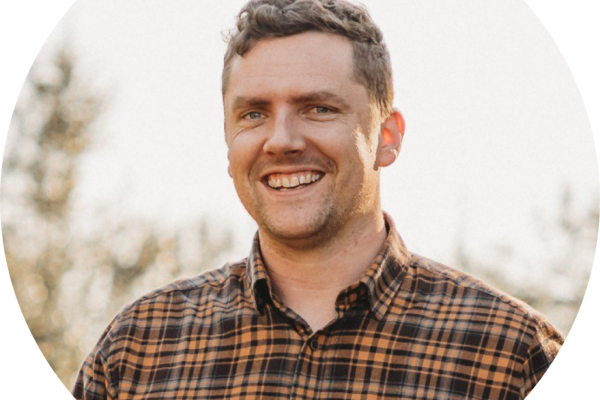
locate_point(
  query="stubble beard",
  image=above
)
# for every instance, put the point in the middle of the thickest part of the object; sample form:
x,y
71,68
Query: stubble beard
x,y
319,230
315,231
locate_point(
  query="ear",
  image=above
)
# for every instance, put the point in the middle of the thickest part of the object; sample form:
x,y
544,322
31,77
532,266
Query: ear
x,y
392,133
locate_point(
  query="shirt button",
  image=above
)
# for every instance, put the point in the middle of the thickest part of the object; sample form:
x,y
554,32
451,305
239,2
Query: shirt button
x,y
314,344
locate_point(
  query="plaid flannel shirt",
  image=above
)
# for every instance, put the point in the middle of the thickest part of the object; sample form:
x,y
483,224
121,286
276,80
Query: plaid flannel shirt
x,y
409,329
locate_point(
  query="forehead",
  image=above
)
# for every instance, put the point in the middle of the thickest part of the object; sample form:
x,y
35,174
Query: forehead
x,y
310,61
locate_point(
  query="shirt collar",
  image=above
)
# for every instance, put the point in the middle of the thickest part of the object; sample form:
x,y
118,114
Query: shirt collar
x,y
382,278
259,281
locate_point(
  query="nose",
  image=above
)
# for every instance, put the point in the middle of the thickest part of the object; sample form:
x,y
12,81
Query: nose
x,y
285,136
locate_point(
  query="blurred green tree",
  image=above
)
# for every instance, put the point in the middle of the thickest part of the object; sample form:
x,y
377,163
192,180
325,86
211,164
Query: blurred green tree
x,y
50,130
70,284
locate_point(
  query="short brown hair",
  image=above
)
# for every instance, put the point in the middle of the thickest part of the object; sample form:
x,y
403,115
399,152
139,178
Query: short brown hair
x,y
261,19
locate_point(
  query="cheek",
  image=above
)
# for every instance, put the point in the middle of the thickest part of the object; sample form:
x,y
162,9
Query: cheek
x,y
359,150
237,165
242,156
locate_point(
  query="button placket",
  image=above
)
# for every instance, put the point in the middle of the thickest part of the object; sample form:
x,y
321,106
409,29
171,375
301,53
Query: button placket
x,y
306,362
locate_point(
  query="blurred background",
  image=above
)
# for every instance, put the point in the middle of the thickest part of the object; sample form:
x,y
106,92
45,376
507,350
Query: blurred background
x,y
114,177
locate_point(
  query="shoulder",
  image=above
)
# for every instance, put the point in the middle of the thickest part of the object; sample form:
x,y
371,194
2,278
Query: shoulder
x,y
444,284
446,302
210,281
161,317
169,305
468,304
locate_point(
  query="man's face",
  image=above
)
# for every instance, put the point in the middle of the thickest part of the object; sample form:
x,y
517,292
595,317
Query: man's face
x,y
303,137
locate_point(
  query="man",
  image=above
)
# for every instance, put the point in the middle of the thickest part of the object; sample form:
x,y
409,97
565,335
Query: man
x,y
329,304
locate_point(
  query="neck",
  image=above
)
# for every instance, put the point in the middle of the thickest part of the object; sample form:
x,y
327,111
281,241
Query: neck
x,y
309,279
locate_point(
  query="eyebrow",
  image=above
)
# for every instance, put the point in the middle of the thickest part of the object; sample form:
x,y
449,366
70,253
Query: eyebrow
x,y
323,95
242,102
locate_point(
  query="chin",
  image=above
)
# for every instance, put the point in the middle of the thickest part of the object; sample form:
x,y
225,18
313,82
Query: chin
x,y
288,234
295,228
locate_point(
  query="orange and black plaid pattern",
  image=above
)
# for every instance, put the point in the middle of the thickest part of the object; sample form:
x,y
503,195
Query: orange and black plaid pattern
x,y
410,329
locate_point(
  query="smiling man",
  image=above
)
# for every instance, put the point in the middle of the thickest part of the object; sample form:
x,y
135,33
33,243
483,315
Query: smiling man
x,y
306,145
330,304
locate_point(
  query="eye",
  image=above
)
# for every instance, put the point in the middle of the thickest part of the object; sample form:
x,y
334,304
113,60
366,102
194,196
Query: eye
x,y
322,113
321,110
252,115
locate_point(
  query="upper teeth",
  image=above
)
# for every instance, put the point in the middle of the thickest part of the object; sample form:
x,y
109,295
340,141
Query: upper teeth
x,y
292,180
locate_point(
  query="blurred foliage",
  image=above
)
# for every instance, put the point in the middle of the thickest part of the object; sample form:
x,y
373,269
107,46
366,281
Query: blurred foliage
x,y
553,279
70,284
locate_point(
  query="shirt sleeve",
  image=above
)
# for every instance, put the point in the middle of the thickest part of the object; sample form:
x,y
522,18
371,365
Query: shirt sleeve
x,y
94,381
544,347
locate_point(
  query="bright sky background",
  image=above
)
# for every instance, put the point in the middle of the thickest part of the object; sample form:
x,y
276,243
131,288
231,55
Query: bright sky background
x,y
495,123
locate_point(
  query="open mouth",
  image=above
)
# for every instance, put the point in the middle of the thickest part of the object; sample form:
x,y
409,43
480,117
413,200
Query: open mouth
x,y
297,180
